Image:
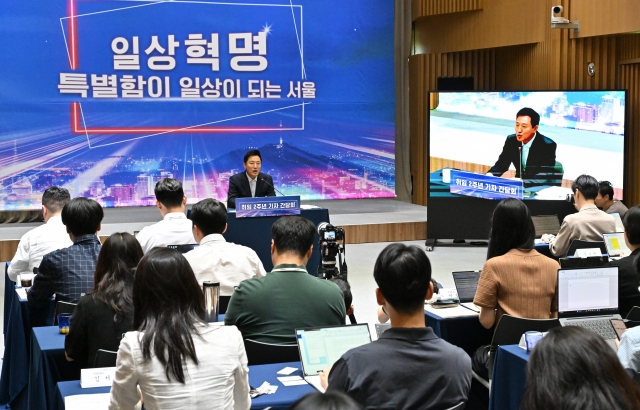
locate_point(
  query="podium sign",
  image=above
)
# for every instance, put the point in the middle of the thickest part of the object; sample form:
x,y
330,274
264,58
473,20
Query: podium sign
x,y
267,206
484,186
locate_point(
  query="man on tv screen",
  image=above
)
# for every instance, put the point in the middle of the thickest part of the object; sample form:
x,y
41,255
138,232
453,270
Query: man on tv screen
x,y
532,154
252,183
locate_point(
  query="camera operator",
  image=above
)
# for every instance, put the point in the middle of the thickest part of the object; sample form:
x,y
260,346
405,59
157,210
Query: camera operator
x,y
588,224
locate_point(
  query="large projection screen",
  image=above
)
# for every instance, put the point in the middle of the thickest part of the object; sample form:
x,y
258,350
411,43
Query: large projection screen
x,y
477,156
106,97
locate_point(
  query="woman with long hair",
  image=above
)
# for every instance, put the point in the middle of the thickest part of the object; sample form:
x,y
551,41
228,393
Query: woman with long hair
x,y
106,312
175,358
573,368
515,279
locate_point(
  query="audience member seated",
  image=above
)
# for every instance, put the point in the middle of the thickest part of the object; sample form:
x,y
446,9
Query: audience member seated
x,y
408,367
515,279
572,368
173,358
68,272
174,228
105,313
628,279
45,238
217,260
629,349
269,309
332,400
345,288
606,202
588,224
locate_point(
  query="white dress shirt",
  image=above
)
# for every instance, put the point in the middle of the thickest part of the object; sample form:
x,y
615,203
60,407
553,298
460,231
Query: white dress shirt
x,y
629,350
217,260
252,184
525,151
36,243
174,229
219,382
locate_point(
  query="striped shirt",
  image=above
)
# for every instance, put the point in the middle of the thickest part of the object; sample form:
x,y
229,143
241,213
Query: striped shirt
x,y
519,283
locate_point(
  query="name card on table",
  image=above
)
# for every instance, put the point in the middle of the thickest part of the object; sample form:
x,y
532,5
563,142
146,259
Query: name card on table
x,y
100,377
267,206
484,186
586,252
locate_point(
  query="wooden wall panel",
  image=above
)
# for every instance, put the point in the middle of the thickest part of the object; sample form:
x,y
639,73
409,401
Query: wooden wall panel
x,y
392,232
423,8
601,18
8,249
424,71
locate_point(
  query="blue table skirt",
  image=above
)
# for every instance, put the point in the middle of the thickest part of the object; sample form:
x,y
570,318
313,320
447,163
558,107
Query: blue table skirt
x,y
256,234
465,332
509,378
543,248
281,399
8,290
15,365
47,367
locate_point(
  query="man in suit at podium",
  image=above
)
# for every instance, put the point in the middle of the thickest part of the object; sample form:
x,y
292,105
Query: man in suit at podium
x,y
252,183
532,154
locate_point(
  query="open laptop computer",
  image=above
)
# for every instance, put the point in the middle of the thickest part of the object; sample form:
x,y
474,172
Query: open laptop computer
x,y
616,245
466,283
589,298
619,225
321,347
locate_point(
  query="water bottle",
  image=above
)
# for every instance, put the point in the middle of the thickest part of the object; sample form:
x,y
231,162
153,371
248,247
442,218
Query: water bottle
x,y
211,300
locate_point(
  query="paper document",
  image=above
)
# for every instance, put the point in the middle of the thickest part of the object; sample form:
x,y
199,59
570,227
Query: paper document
x,y
87,401
22,294
288,370
445,313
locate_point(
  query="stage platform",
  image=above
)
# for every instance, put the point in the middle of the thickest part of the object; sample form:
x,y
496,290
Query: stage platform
x,y
364,220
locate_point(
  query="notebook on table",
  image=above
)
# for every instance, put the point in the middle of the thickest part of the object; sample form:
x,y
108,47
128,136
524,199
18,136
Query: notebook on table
x,y
321,347
466,283
588,297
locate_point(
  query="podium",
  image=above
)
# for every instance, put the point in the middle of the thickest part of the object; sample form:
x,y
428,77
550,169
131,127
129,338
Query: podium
x,y
267,206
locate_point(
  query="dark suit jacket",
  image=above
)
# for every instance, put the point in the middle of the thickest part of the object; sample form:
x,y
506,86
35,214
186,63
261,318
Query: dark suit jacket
x,y
541,159
239,187
628,282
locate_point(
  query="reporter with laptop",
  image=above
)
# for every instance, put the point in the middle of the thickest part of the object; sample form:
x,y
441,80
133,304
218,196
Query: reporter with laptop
x,y
588,224
408,367
515,279
628,279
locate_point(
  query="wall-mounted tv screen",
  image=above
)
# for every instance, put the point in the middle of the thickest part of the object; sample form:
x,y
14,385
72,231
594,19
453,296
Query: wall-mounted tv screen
x,y
529,145
481,134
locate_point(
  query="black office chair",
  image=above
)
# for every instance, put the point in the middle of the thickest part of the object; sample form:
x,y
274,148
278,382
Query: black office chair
x,y
459,406
634,314
223,303
105,358
509,331
579,244
589,262
268,353
63,307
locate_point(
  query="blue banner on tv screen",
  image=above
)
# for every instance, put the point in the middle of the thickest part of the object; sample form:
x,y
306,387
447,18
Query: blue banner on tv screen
x,y
106,97
268,206
484,186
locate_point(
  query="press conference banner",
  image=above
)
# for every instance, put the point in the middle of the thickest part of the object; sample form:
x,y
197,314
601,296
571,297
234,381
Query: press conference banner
x,y
107,97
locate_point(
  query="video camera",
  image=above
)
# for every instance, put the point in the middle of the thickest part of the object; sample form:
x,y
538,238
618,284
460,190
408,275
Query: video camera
x,y
332,251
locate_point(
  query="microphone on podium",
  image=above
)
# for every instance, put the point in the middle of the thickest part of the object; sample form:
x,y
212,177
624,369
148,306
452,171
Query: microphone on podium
x,y
267,182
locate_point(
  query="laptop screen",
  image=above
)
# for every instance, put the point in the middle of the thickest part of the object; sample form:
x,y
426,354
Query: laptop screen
x,y
619,225
616,246
321,347
466,285
587,292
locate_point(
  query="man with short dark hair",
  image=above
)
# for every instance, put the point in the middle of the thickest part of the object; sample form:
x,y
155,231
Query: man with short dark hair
x,y
588,224
269,309
174,228
217,260
628,279
606,202
50,236
408,367
252,183
528,151
68,273
345,288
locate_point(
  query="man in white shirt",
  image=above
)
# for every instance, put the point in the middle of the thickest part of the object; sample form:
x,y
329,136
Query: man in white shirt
x,y
175,228
45,238
217,260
